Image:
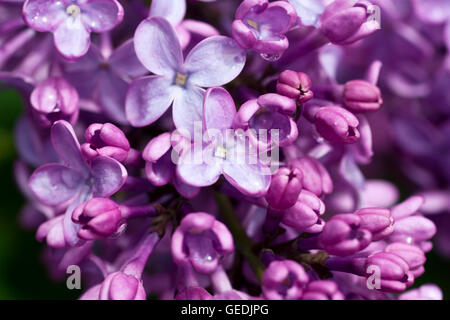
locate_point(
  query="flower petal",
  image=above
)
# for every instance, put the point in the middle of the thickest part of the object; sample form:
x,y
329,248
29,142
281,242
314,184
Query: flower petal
x,y
215,61
66,145
198,166
109,176
54,184
157,46
101,15
218,109
112,93
125,62
173,10
44,15
250,179
308,11
72,38
147,99
187,109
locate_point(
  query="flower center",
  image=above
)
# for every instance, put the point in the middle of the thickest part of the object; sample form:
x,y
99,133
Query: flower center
x,y
252,23
73,10
220,152
180,79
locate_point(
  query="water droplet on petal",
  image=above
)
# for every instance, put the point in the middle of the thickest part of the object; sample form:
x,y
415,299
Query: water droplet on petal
x,y
270,57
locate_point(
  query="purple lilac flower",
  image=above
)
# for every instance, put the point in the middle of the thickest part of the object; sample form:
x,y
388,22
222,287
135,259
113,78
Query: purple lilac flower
x,y
267,180
224,151
260,25
71,22
213,62
74,181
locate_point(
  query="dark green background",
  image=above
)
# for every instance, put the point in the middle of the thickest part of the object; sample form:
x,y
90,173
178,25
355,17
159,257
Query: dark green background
x,y
23,276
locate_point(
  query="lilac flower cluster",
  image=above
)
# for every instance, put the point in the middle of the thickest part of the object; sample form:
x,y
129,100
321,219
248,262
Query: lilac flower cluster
x,y
251,186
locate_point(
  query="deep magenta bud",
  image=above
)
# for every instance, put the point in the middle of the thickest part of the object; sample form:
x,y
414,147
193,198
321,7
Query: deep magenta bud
x,y
295,85
361,96
99,218
337,125
105,140
284,189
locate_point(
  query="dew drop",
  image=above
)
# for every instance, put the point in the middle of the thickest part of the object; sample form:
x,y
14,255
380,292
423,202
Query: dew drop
x,y
270,57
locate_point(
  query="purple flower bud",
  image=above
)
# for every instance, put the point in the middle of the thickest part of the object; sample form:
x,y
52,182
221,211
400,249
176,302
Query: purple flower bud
x,y
99,217
202,241
295,85
344,235
315,176
121,286
337,125
284,280
361,96
305,214
413,255
193,293
268,116
52,100
347,21
284,189
322,290
261,25
378,221
393,270
105,140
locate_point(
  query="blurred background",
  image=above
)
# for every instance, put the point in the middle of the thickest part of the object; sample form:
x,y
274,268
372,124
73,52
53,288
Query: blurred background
x,y
23,275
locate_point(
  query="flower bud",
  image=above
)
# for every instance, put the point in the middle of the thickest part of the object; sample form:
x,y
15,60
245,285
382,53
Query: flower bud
x,y
305,214
284,280
99,218
121,286
322,290
337,125
284,189
315,176
346,21
393,271
105,140
378,221
295,85
52,100
361,96
344,235
413,255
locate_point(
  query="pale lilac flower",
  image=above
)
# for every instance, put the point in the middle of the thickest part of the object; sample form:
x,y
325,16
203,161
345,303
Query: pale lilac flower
x,y
213,62
74,181
72,21
261,26
284,280
224,151
160,168
202,242
102,77
269,119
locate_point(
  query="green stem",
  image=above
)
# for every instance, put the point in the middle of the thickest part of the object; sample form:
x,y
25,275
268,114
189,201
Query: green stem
x,y
243,243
